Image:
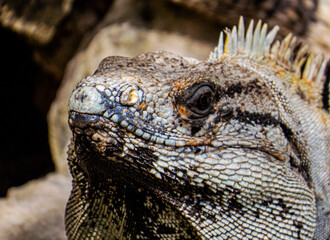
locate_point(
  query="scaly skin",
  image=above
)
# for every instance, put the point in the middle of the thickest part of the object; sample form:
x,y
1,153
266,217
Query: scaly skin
x,y
168,147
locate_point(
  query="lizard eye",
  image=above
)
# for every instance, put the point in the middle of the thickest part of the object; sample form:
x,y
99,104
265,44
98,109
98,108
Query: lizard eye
x,y
200,102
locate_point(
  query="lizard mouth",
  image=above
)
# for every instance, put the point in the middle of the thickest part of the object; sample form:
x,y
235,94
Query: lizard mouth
x,y
104,147
108,134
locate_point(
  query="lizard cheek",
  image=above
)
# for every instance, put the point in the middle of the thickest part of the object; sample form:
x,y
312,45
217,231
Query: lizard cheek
x,y
129,97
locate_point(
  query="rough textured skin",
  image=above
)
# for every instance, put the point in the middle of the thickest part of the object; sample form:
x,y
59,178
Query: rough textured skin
x,y
236,147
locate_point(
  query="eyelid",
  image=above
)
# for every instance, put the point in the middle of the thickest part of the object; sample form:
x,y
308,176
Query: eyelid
x,y
201,90
187,107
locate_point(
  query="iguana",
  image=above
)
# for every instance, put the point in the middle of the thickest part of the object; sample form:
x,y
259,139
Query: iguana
x,y
234,147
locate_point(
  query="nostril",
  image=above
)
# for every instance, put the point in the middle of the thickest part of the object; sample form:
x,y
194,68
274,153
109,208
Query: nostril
x,y
81,120
129,96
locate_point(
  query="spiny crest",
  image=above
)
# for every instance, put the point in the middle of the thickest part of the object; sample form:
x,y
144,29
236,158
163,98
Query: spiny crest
x,y
288,56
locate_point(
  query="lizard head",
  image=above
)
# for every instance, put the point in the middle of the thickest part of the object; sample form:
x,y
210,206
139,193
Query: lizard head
x,y
217,140
201,135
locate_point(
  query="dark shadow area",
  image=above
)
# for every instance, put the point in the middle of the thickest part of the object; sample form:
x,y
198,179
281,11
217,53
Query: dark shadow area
x,y
326,94
24,149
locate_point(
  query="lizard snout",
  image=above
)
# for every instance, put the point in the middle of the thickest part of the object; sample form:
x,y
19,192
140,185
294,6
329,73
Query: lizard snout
x,y
88,99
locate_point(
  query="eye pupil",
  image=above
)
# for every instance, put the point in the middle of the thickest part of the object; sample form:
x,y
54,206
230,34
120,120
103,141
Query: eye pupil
x,y
203,102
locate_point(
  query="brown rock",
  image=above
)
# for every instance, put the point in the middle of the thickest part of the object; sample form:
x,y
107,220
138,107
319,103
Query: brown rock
x,y
35,210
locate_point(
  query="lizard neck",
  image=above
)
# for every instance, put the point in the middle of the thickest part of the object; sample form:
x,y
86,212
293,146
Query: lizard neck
x,y
123,211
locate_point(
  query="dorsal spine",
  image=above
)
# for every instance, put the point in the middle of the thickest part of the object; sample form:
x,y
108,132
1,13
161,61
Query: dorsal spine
x,y
307,70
